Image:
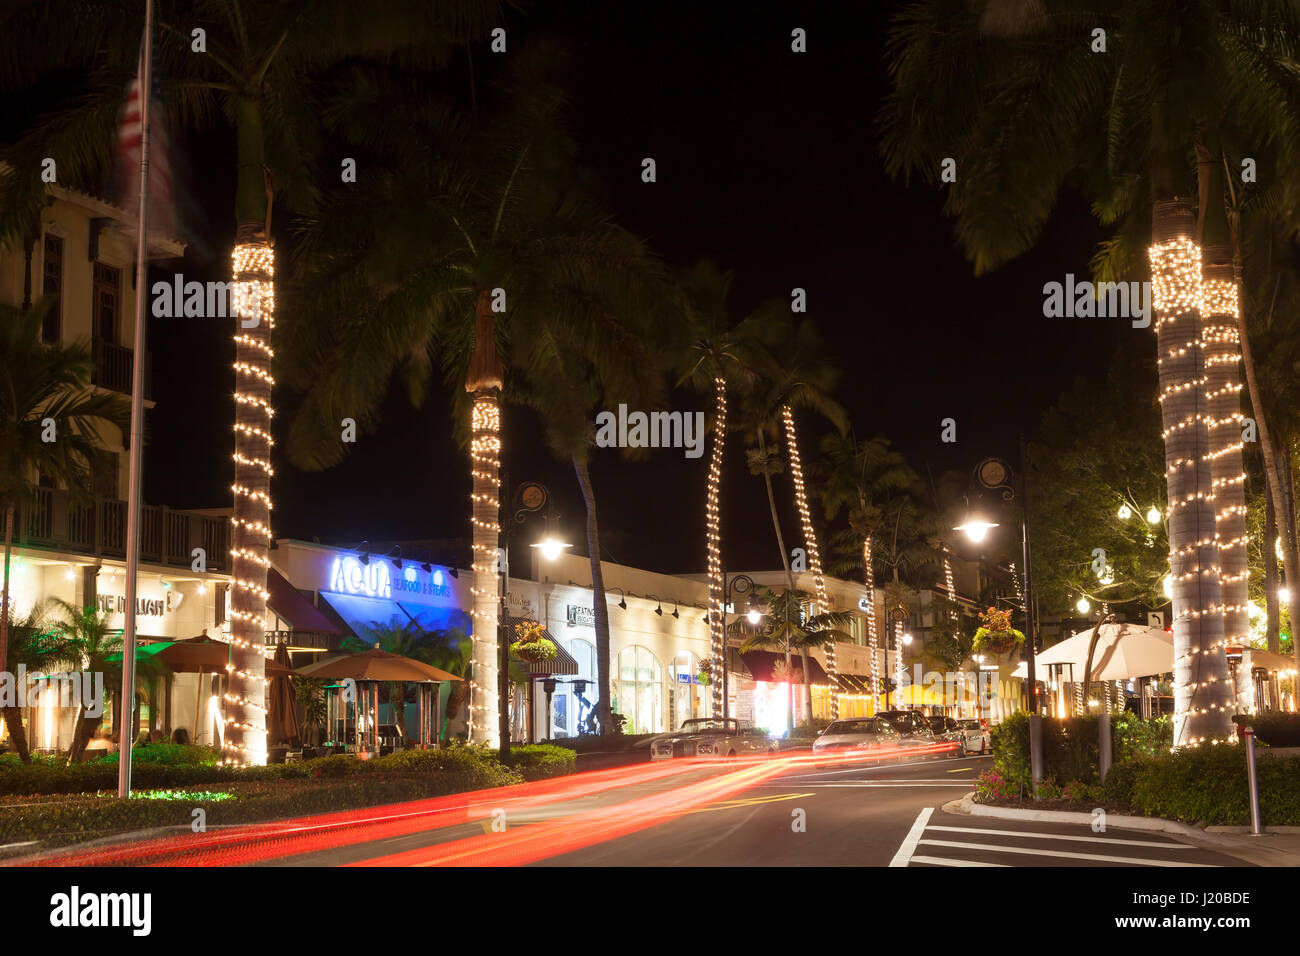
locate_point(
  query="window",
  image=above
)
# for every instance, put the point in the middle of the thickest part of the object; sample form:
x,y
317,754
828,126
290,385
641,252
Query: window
x,y
567,707
107,293
688,693
638,691
52,284
219,601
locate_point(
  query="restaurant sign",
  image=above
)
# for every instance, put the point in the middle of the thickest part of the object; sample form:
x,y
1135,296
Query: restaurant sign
x,y
580,616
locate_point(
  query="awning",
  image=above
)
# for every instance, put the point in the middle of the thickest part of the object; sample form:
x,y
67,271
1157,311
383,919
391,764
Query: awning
x,y
364,614
561,663
764,665
432,618
854,683
291,606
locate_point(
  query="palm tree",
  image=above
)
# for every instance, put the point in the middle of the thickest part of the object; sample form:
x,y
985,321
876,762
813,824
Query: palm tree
x,y
33,644
260,74
1026,96
88,643
50,426
788,625
855,476
718,356
791,372
476,250
451,651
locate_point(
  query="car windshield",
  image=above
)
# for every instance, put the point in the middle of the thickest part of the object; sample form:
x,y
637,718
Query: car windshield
x,y
706,726
852,727
969,724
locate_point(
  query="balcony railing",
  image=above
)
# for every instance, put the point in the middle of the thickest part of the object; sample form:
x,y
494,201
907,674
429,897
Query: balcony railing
x,y
97,528
113,367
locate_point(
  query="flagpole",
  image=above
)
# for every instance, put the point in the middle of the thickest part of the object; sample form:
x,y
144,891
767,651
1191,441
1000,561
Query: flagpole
x,y
133,495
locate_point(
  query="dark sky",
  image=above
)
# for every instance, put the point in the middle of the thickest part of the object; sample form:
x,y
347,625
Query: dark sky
x,y
767,162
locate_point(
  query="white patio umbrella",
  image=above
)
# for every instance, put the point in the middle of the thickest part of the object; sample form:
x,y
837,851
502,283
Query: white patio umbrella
x,y
1123,651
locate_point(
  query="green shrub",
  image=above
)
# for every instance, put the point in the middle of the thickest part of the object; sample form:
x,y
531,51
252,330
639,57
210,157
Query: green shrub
x,y
1275,728
1070,746
541,761
166,754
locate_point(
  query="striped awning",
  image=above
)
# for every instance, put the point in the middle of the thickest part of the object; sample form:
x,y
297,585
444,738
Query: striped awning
x,y
854,683
561,663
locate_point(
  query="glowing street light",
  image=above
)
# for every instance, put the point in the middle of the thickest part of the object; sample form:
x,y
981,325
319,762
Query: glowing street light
x,y
976,528
551,548
1153,516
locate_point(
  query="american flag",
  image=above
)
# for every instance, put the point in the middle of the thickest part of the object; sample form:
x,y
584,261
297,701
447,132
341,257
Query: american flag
x,y
162,218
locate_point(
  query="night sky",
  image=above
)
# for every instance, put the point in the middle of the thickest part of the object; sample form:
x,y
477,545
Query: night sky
x,y
767,163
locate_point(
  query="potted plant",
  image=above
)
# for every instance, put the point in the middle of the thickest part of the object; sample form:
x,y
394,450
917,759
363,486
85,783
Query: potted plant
x,y
995,634
532,644
704,674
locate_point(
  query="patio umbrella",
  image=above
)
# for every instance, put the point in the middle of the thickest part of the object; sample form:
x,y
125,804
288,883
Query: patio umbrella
x,y
375,665
204,655
1123,651
282,717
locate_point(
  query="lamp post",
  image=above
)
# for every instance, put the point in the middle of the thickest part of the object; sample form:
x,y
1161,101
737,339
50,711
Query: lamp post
x,y
740,584
532,497
994,474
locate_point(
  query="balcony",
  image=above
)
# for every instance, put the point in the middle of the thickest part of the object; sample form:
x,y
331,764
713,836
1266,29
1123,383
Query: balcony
x,y
97,529
113,367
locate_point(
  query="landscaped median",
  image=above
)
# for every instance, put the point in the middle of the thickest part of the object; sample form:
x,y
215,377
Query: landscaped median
x,y
1204,786
57,805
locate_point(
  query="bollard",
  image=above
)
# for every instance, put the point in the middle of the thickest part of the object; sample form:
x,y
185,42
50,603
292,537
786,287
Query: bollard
x,y
1252,780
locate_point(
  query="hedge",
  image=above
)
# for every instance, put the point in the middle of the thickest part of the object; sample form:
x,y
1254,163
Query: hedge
x,y
1208,785
1070,746
1275,728
542,761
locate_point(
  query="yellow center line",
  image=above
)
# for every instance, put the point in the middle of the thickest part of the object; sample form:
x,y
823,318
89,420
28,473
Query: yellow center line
x,y
961,769
751,802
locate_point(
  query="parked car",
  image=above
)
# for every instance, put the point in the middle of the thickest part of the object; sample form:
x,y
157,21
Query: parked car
x,y
915,730
857,733
713,737
975,733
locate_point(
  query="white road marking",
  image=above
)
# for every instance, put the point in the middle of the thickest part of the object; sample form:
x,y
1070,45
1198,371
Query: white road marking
x,y
1057,836
1102,858
940,861
913,837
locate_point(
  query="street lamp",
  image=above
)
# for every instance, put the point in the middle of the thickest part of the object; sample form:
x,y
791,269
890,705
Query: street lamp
x,y
740,584
532,498
994,474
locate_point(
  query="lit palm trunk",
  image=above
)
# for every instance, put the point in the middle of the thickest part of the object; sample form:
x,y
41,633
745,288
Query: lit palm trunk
x,y
873,643
1223,387
484,382
717,639
1201,694
814,561
254,307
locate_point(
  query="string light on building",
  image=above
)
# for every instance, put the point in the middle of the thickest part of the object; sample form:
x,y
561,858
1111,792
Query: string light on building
x,y
814,552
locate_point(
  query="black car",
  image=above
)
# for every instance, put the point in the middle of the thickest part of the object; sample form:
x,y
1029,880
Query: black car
x,y
915,729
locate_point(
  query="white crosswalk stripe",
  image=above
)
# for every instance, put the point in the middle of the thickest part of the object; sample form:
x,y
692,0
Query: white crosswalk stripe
x,y
936,844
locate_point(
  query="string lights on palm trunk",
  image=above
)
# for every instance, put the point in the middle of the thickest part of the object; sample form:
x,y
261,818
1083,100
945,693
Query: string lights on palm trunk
x,y
814,552
253,265
717,639
485,497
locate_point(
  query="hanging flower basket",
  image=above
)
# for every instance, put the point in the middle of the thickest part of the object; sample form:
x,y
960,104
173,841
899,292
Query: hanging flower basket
x,y
995,634
705,674
533,645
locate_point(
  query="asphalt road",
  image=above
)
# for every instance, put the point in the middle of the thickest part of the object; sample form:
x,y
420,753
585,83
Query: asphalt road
x,y
854,814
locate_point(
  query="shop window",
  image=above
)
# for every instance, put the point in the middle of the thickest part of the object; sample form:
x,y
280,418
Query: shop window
x,y
567,710
52,284
638,691
689,696
107,295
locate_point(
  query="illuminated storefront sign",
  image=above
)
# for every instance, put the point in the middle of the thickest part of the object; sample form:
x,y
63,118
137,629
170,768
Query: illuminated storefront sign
x,y
349,576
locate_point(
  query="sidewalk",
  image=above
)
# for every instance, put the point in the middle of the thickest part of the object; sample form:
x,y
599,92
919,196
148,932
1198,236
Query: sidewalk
x,y
1277,846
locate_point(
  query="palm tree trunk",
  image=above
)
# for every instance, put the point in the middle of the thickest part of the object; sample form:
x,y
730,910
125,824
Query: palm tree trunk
x,y
484,381
1202,693
789,574
713,543
253,272
13,715
599,609
814,564
1271,582
869,578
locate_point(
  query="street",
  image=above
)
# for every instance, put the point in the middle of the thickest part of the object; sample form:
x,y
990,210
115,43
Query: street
x,y
785,812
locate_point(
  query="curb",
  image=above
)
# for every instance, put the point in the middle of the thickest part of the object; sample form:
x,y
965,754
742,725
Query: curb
x,y
1224,838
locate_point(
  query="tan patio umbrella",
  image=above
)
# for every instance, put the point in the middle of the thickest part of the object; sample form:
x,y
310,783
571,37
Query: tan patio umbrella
x,y
282,716
203,655
375,665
